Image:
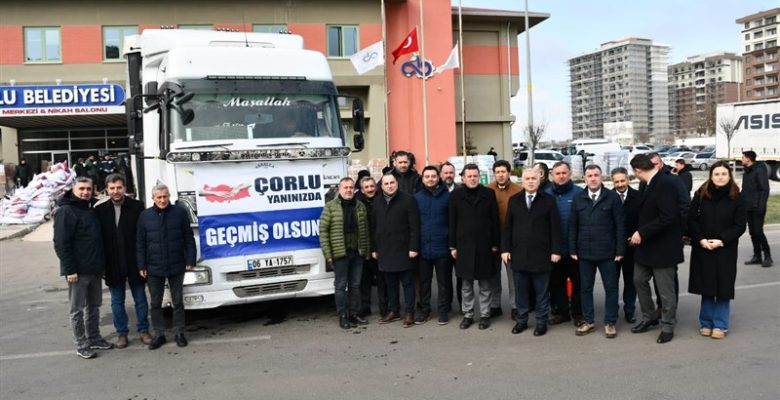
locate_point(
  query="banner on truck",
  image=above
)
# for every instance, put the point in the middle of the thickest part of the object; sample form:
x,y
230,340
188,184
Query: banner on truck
x,y
259,208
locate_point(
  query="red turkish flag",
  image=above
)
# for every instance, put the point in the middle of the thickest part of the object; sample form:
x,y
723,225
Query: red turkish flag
x,y
409,45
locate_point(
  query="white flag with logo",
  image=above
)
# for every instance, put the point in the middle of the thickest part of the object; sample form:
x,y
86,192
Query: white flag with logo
x,y
369,58
453,61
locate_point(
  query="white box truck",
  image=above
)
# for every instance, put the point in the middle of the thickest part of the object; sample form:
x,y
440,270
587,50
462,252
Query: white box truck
x,y
245,130
757,128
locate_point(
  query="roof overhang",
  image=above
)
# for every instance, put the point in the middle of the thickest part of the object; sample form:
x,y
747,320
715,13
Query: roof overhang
x,y
471,14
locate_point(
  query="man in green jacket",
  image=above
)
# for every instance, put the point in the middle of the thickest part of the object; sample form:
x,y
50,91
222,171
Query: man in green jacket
x,y
344,238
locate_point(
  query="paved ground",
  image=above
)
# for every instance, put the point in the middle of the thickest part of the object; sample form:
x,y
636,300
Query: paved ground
x,y
294,350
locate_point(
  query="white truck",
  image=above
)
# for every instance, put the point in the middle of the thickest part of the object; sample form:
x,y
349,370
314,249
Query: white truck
x,y
757,128
245,130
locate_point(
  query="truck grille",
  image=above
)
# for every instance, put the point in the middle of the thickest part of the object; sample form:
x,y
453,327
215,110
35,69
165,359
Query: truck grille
x,y
267,272
270,288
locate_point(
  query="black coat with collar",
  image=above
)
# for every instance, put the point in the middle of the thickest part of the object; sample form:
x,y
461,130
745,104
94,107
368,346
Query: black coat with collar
x,y
532,236
119,241
658,223
596,229
165,243
473,232
630,211
396,231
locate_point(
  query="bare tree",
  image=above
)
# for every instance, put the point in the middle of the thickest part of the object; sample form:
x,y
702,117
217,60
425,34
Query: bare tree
x,y
534,133
729,128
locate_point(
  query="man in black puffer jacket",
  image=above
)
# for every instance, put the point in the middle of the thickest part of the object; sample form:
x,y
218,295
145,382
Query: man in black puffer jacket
x,y
165,249
79,247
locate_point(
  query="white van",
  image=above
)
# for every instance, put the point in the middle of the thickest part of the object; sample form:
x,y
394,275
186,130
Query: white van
x,y
595,147
548,157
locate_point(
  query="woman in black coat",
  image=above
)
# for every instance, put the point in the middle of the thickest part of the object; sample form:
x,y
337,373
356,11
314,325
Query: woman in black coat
x,y
716,221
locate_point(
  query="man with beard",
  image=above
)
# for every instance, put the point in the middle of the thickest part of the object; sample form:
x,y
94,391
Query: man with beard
x,y
371,273
504,188
407,177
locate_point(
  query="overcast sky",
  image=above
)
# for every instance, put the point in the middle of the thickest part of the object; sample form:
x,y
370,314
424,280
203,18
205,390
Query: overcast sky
x,y
690,27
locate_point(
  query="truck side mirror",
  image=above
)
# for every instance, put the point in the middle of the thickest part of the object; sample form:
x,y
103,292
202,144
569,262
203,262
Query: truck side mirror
x,y
359,141
358,119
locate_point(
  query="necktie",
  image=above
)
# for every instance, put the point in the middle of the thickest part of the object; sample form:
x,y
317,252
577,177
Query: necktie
x,y
593,196
622,197
530,200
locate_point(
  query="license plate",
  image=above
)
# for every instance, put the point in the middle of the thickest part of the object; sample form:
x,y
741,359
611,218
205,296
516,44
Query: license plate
x,y
258,263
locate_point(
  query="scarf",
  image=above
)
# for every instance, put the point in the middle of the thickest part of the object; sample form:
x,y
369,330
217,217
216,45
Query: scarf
x,y
562,188
348,207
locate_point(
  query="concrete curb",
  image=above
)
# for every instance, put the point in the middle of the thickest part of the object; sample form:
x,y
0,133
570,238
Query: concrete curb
x,y
20,233
772,227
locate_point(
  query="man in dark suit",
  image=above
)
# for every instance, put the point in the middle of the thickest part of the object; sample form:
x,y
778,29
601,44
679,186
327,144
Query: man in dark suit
x,y
630,199
118,221
683,170
530,244
658,242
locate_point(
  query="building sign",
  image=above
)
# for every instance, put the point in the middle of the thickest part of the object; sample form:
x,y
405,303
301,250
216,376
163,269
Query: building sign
x,y
21,101
259,208
415,67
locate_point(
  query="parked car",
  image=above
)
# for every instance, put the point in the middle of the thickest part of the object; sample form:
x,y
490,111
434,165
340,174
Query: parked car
x,y
637,149
703,161
549,157
673,157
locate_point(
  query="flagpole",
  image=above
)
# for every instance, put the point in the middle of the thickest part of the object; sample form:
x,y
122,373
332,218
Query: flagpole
x,y
424,79
530,86
384,77
462,86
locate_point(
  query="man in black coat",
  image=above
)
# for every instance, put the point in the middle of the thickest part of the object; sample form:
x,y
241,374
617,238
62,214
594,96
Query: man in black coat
x,y
165,250
683,170
630,199
23,173
79,247
755,194
474,241
106,167
530,244
409,180
371,273
395,244
118,224
658,241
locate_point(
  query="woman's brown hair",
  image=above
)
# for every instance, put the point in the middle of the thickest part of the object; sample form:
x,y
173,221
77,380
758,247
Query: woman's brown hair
x,y
704,190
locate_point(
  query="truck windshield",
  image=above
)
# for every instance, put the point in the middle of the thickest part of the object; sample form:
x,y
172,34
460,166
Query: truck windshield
x,y
241,115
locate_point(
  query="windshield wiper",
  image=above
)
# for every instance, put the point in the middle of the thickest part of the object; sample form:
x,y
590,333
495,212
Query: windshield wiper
x,y
304,144
222,145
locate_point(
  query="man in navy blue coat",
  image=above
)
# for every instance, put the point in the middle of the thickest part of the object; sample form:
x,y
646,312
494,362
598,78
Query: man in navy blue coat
x,y
165,247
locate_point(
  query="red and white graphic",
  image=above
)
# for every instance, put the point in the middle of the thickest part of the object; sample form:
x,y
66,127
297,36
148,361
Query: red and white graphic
x,y
224,193
409,45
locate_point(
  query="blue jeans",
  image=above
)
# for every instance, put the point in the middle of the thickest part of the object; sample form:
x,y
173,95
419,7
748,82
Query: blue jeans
x,y
119,315
348,272
541,284
714,313
393,301
608,270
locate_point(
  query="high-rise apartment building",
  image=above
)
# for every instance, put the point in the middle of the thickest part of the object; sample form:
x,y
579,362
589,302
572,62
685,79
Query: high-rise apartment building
x,y
696,86
760,43
619,92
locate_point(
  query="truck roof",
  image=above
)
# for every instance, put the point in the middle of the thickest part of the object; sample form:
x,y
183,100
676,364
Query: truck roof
x,y
155,41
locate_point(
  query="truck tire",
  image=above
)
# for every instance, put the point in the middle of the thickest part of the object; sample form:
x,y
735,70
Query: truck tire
x,y
775,172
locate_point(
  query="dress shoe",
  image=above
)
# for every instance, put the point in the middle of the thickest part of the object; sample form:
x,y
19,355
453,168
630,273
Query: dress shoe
x,y
121,341
408,320
705,331
421,319
767,262
496,312
665,337
514,314
644,326
157,342
585,329
146,338
540,330
630,318
389,317
357,320
484,323
756,260
466,323
519,327
610,331
344,322
444,319
718,333
181,341
558,319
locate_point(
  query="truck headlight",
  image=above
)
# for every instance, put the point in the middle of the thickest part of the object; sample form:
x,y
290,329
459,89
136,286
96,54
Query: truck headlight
x,y
199,275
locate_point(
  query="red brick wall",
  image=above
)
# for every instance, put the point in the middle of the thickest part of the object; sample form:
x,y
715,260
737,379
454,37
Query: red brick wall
x,y
370,34
82,44
313,35
11,45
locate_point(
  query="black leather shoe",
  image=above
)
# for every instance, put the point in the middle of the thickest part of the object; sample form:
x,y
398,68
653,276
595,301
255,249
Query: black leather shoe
x,y
484,323
630,318
496,312
665,337
519,327
756,260
767,262
157,342
181,341
358,320
466,323
559,319
344,322
540,330
644,326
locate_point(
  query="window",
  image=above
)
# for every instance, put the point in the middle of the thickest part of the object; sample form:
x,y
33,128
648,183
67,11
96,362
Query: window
x,y
342,40
771,32
42,44
268,28
747,36
747,48
114,40
758,35
771,43
197,27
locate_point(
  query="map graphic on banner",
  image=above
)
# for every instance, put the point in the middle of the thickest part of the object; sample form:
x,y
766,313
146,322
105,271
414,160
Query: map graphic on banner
x,y
259,208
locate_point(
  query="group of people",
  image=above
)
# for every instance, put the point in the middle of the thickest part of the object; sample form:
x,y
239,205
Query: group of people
x,y
545,233
120,241
99,169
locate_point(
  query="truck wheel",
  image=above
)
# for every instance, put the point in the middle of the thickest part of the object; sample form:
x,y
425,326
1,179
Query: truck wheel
x,y
775,175
703,167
